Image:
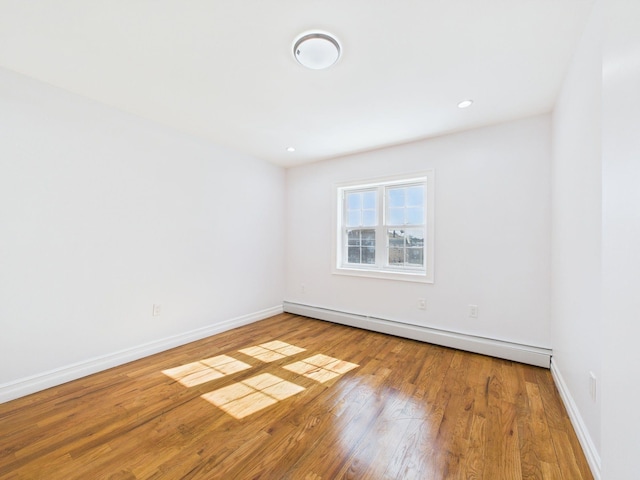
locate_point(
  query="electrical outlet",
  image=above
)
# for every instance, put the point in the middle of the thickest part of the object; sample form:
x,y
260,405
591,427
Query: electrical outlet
x,y
156,310
422,304
473,311
593,384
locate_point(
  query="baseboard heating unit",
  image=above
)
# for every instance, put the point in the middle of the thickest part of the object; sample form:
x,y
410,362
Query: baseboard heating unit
x,y
531,355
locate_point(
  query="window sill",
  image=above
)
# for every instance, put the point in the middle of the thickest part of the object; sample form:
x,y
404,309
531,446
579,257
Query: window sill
x,y
384,275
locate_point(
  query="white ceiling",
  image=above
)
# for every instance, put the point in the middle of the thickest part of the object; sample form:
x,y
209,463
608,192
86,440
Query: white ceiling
x,y
224,69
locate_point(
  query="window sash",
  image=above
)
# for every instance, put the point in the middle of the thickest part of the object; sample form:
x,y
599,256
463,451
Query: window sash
x,y
360,243
403,249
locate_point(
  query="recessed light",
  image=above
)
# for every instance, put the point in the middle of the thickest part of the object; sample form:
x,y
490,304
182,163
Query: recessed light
x,y
465,103
316,50
291,149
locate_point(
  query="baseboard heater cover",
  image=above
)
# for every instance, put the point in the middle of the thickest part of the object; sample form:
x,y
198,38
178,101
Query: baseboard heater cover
x,y
537,356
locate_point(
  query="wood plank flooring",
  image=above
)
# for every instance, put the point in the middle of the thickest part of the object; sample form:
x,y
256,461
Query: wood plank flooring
x,y
312,400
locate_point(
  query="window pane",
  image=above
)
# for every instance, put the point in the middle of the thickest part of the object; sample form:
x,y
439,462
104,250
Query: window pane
x,y
415,237
361,246
396,197
415,196
406,247
405,205
415,256
396,238
354,218
369,218
361,209
396,216
353,237
415,215
369,255
368,238
396,256
369,200
354,201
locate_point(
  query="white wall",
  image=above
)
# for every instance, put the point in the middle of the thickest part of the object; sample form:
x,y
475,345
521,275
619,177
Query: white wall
x,y
577,231
103,214
621,239
492,228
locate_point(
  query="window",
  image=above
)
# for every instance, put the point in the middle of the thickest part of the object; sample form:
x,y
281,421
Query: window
x,y
384,228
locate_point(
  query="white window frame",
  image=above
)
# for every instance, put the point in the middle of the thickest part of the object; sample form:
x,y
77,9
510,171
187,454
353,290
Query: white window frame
x,y
381,269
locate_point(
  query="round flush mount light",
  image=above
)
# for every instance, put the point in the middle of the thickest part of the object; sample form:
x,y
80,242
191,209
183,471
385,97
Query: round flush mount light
x,y
465,103
291,149
316,50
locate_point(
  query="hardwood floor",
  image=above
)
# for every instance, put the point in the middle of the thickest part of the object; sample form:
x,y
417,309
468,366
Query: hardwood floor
x,y
353,404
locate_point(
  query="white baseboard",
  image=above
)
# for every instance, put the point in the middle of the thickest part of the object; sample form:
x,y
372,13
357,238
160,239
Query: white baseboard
x,y
588,447
540,357
52,378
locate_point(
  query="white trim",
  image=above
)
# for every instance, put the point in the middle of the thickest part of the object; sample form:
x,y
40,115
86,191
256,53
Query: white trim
x,y
531,355
589,448
406,276
35,383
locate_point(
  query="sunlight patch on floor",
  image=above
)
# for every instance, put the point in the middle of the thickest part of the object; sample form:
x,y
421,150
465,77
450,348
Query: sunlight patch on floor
x,y
321,368
251,395
206,370
272,351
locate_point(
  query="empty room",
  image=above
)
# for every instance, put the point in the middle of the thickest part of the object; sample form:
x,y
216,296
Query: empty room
x,y
319,240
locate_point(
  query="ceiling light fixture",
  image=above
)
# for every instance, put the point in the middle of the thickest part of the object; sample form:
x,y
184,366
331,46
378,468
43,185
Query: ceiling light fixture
x,y
316,50
291,149
465,103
